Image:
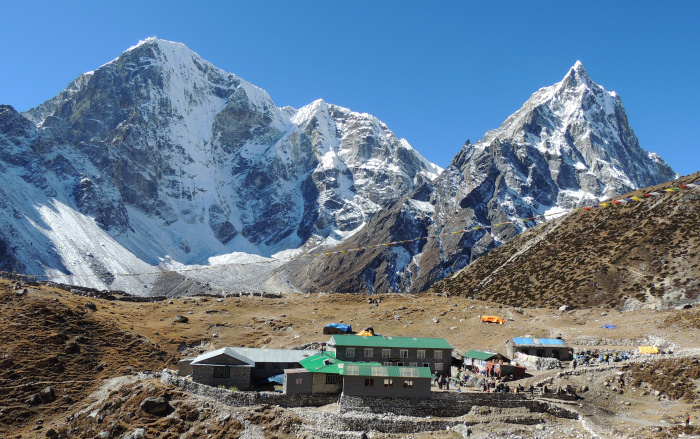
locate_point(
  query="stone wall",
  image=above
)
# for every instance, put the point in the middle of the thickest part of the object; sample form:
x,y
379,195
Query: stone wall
x,y
449,404
439,405
234,398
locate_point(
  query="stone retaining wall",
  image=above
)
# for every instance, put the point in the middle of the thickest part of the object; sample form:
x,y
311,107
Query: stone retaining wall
x,y
449,404
234,398
443,405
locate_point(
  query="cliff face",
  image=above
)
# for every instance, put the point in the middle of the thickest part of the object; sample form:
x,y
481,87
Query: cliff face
x,y
169,158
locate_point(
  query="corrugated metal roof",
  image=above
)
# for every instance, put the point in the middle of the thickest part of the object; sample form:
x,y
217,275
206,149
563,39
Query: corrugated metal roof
x,y
202,359
383,341
480,355
351,369
538,342
257,355
327,363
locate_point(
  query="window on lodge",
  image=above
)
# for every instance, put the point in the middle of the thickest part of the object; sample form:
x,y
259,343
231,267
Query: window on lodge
x,y
388,382
386,353
369,382
369,352
408,384
349,352
403,353
438,355
222,372
421,354
332,378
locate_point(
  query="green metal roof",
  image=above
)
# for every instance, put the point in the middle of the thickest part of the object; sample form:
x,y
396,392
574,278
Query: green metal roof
x,y
353,369
383,341
480,355
327,363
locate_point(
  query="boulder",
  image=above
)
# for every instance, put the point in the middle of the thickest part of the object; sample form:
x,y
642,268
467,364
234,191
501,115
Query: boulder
x,y
137,433
47,395
72,348
155,406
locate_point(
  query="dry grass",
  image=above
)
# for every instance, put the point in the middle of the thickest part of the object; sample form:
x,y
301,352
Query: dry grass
x,y
600,258
673,377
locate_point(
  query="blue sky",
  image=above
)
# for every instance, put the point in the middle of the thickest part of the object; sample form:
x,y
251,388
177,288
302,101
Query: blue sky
x,y
437,73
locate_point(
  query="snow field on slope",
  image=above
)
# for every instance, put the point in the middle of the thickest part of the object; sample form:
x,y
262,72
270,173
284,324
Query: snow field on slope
x,y
76,238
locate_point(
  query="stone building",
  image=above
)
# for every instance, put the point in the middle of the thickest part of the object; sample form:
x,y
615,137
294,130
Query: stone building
x,y
240,367
433,353
386,381
325,374
540,347
222,367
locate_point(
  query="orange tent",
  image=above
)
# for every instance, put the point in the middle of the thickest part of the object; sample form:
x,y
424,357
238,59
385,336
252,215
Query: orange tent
x,y
366,333
492,319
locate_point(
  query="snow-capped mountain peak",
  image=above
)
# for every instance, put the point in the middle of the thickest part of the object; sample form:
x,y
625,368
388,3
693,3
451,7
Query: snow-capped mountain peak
x,y
177,160
570,145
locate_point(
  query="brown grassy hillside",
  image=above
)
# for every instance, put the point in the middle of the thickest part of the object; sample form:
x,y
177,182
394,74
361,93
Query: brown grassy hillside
x,y
642,253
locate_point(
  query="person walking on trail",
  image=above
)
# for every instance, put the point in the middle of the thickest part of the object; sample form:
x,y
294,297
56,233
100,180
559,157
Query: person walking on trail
x,y
687,419
573,364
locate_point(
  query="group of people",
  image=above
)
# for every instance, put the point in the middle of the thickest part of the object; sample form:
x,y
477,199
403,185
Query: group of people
x,y
587,358
442,381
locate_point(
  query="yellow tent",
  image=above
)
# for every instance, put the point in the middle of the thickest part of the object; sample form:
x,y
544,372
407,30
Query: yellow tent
x,y
493,319
648,350
366,333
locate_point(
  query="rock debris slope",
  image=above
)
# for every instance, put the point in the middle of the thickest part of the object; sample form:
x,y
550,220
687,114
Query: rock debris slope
x,y
570,145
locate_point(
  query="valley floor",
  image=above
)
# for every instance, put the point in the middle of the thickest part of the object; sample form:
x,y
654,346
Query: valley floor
x,y
88,350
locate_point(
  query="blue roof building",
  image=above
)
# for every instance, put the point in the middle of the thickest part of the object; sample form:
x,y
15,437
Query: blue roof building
x,y
539,347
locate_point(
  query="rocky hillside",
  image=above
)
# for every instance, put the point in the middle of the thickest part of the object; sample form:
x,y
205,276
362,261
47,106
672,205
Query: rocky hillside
x,y
570,145
640,254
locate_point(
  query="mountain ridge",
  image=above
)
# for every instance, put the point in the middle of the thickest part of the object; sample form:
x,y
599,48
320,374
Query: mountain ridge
x,y
158,161
568,146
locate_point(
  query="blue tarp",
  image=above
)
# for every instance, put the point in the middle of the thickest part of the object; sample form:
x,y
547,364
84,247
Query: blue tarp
x,y
345,328
608,326
279,379
538,341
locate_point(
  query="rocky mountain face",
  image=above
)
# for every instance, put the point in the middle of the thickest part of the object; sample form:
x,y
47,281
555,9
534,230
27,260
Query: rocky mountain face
x,y
570,145
159,157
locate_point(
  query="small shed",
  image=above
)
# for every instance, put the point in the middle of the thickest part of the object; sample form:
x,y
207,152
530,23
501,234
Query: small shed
x,y
478,358
298,382
540,347
503,370
324,375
